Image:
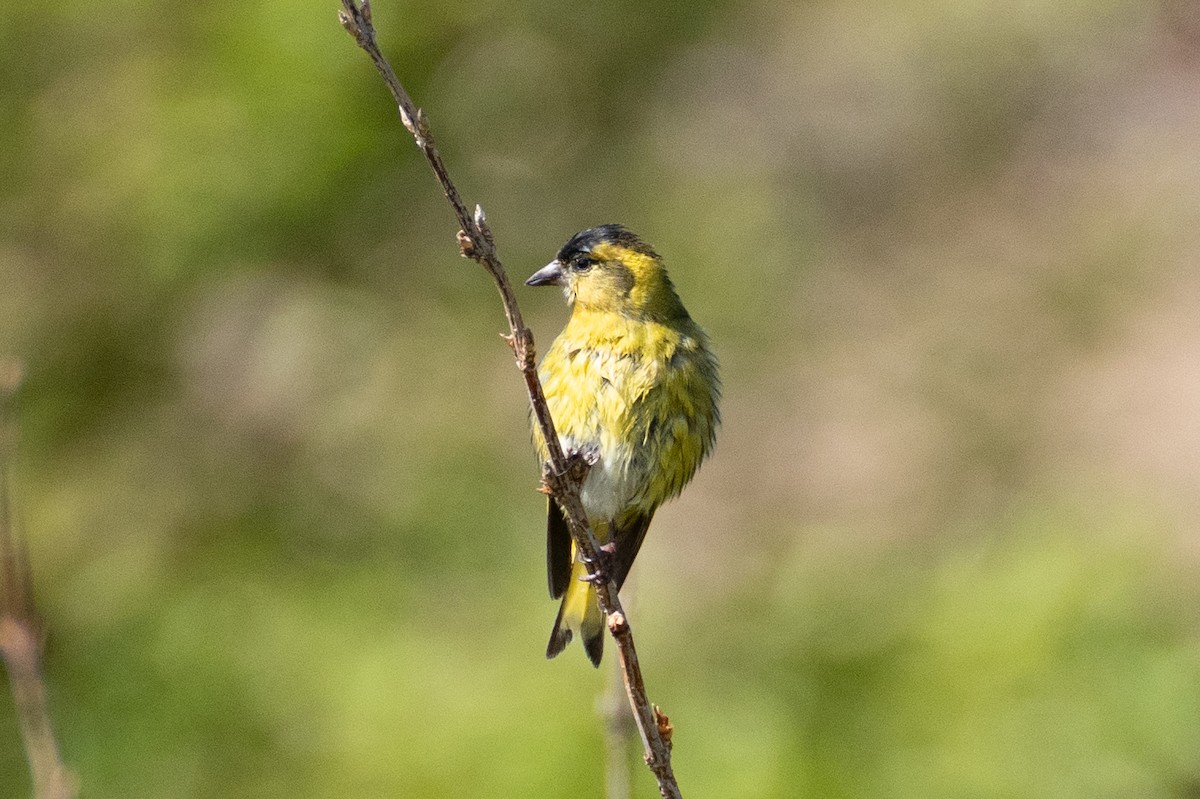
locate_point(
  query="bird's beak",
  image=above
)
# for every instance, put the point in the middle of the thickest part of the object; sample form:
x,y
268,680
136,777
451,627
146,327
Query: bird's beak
x,y
549,275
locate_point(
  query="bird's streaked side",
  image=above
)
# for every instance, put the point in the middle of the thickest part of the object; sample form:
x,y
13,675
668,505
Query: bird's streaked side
x,y
631,382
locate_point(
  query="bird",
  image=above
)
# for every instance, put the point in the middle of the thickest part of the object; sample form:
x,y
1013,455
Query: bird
x,y
633,386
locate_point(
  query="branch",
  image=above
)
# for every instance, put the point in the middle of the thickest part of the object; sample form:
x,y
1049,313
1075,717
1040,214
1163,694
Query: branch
x,y
619,727
563,476
21,630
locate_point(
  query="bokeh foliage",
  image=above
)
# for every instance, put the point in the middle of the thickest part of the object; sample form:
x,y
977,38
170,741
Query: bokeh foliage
x,y
275,468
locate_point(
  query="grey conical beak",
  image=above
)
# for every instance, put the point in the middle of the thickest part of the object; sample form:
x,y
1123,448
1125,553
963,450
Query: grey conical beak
x,y
549,275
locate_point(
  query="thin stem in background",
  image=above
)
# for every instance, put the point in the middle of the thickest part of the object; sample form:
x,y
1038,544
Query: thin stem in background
x,y
20,628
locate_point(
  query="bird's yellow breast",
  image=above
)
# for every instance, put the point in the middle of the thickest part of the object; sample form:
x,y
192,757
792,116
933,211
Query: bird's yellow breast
x,y
638,393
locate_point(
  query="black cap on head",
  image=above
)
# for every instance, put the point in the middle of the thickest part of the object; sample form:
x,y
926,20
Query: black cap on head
x,y
585,240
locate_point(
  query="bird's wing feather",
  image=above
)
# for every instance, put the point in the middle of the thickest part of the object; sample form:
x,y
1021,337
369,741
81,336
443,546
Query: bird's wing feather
x,y
558,549
628,540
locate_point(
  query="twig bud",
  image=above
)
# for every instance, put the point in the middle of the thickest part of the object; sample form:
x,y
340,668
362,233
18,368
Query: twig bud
x,y
421,125
466,245
663,722
482,225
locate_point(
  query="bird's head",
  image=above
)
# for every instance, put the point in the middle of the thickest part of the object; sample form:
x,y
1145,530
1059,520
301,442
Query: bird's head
x,y
609,269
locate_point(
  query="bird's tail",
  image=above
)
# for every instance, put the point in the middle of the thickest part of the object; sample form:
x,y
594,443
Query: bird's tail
x,y
579,612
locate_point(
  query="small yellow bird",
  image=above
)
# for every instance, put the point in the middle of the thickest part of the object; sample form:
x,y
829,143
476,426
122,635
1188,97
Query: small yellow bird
x,y
631,383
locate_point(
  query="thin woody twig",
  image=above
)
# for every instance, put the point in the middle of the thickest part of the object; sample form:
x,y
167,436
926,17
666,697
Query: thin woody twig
x,y
564,475
619,731
21,630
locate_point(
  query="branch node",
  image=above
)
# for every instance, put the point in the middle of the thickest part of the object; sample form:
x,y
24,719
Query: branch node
x,y
523,349
481,224
421,128
552,482
663,722
466,245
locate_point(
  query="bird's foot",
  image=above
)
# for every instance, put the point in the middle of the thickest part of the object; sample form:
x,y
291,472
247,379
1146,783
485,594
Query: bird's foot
x,y
580,461
603,563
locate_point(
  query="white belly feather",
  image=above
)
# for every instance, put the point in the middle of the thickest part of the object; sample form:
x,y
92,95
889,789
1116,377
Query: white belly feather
x,y
608,489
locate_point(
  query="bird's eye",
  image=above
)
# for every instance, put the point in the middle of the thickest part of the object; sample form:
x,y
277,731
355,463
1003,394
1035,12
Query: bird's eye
x,y
582,264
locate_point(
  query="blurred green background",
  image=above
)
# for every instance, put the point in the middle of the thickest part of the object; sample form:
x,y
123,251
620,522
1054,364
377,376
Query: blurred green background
x,y
275,465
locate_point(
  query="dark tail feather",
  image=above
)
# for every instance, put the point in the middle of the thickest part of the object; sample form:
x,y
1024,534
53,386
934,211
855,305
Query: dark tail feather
x,y
559,637
593,644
